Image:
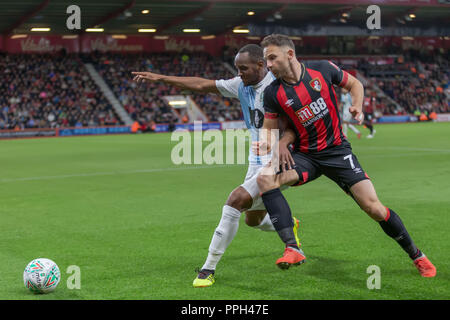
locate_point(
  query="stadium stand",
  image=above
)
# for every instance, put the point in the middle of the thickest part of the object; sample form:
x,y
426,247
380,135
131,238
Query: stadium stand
x,y
144,102
418,82
55,91
48,91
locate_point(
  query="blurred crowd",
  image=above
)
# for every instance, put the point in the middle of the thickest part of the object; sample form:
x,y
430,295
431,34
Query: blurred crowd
x,y
48,91
419,83
144,101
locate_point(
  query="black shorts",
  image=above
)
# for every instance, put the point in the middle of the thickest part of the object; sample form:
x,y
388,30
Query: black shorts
x,y
369,117
337,163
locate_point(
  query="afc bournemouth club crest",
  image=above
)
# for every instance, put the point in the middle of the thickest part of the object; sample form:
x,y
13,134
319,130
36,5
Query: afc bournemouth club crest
x,y
315,84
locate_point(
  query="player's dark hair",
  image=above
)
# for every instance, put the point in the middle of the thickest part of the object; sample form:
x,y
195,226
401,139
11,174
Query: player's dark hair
x,y
279,40
254,51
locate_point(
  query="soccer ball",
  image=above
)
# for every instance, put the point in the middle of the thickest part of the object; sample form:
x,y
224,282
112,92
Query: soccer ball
x,y
41,275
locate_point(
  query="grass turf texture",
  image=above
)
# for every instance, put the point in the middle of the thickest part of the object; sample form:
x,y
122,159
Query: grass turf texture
x,y
138,231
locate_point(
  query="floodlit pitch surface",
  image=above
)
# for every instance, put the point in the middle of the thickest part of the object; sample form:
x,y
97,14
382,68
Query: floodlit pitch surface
x,y
137,225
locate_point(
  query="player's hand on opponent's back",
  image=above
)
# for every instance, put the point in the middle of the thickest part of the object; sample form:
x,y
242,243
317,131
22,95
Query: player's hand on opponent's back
x,y
146,76
357,114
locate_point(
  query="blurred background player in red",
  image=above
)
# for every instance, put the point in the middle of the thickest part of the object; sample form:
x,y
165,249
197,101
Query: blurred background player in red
x,y
369,103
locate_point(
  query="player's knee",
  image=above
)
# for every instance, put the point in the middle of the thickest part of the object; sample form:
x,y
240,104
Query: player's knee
x,y
266,182
240,200
252,221
254,218
374,209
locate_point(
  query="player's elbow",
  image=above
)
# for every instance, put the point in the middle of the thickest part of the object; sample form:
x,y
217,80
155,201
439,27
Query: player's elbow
x,y
199,88
207,86
194,85
203,87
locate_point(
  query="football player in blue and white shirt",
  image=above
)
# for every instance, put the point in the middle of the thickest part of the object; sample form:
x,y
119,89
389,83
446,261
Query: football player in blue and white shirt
x,y
346,103
248,87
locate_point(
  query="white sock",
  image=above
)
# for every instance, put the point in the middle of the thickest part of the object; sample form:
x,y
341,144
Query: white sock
x,y
222,237
345,128
353,128
266,224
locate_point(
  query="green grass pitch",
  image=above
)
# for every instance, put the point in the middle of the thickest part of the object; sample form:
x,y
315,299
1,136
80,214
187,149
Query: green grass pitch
x,y
138,225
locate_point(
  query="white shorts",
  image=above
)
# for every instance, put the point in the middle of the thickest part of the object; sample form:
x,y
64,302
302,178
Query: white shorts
x,y
251,186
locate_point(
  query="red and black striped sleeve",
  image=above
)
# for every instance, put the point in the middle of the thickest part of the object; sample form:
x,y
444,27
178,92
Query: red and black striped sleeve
x,y
335,75
271,106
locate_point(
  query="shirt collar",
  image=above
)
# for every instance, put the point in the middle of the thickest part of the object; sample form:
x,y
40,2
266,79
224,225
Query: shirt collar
x,y
263,81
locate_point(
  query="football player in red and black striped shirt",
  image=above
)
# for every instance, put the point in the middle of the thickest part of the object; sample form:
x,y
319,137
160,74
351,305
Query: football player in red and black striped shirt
x,y
304,93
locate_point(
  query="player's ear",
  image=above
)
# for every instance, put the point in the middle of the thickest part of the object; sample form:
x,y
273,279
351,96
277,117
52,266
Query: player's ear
x,y
261,64
290,53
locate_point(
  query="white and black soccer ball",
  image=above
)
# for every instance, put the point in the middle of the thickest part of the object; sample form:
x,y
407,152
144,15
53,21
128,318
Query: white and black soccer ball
x,y
41,275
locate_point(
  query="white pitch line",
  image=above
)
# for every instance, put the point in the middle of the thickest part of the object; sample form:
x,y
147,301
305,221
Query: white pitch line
x,y
401,155
94,174
403,148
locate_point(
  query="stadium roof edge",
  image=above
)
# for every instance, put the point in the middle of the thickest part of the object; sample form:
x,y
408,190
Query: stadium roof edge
x,y
419,3
214,17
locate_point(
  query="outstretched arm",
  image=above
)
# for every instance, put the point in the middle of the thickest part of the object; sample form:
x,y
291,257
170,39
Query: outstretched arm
x,y
191,83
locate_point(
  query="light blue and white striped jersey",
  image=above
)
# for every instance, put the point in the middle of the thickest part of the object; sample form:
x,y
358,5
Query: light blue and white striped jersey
x,y
346,100
252,104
